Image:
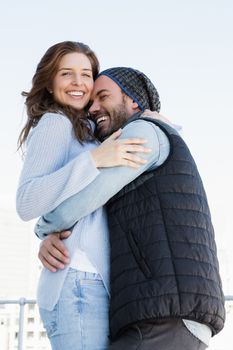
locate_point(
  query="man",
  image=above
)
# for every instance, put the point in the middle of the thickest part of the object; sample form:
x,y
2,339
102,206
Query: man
x,y
165,287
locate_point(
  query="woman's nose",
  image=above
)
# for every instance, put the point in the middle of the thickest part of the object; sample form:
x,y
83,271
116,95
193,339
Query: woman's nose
x,y
77,80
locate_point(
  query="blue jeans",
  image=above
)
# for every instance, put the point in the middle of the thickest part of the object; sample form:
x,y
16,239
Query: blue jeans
x,y
79,320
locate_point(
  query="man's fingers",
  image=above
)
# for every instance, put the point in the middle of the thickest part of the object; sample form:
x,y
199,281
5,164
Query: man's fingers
x,y
53,253
54,243
58,249
47,259
47,264
65,234
57,253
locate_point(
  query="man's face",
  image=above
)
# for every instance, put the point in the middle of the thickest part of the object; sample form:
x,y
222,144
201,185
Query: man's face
x,y
110,108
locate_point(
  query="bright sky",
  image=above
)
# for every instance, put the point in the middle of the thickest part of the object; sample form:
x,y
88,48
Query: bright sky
x,y
185,47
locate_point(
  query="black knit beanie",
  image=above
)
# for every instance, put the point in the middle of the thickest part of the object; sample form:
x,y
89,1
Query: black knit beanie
x,y
136,85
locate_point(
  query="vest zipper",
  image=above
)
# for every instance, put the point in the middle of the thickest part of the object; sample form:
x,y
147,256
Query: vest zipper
x,y
138,255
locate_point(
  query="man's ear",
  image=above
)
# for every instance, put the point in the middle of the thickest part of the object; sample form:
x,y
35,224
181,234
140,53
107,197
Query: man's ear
x,y
132,106
135,105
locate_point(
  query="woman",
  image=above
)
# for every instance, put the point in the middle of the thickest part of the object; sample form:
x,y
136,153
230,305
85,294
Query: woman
x,y
59,162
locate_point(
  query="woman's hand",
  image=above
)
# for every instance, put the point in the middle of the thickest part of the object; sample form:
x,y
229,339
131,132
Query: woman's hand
x,y
156,115
113,152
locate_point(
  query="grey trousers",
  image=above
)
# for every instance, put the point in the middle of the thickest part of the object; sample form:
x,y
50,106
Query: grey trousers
x,y
165,335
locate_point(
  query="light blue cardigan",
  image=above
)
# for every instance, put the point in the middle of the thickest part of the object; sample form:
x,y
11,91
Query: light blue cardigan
x,y
57,166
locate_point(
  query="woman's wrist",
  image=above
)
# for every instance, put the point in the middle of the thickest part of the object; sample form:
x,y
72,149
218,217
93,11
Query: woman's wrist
x,y
95,157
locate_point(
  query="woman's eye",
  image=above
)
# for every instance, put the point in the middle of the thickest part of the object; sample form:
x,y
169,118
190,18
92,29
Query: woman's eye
x,y
65,73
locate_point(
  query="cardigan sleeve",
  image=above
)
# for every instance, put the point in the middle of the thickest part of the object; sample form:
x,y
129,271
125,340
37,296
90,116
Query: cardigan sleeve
x,y
48,177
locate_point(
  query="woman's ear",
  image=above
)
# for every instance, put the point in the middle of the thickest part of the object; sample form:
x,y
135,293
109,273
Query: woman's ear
x,y
49,89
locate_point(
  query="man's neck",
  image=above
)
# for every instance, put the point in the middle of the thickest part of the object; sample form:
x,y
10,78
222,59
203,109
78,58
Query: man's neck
x,y
133,117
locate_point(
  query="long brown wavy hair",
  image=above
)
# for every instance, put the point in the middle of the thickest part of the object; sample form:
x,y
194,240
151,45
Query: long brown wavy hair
x,y
39,100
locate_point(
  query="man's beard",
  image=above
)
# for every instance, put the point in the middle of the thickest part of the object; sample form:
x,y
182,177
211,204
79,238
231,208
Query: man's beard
x,y
117,118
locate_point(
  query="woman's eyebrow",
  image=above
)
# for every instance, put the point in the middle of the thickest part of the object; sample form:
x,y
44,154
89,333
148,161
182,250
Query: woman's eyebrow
x,y
64,68
86,69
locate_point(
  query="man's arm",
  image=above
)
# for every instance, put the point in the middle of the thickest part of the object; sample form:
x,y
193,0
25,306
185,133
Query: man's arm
x,y
108,183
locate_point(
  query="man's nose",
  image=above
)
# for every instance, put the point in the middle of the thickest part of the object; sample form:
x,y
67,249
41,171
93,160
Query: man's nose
x,y
94,108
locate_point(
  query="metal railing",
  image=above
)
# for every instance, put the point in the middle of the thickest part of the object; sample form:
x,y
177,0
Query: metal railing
x,y
22,302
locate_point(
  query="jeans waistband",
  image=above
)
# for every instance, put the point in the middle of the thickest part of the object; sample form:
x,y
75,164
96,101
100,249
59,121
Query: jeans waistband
x,y
84,274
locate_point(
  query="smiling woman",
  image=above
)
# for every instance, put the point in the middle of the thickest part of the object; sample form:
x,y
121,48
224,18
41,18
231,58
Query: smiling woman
x,y
59,162
40,98
73,82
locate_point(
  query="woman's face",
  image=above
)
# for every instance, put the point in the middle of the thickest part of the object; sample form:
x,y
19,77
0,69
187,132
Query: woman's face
x,y
73,82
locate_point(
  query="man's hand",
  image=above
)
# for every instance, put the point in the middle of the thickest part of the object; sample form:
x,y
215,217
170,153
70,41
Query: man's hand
x,y
53,253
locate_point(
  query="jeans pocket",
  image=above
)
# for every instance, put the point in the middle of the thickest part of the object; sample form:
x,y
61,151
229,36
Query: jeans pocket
x,y
90,282
191,335
50,320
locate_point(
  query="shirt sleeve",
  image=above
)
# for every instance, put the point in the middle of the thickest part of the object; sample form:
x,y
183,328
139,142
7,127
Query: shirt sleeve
x,y
48,177
108,183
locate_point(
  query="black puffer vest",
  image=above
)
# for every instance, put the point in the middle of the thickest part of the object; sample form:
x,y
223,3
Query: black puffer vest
x,y
163,254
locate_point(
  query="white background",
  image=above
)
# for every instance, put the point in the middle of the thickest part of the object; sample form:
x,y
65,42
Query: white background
x,y
184,46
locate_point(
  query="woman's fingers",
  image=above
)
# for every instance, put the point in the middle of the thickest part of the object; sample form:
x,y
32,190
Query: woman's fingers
x,y
132,158
115,152
132,141
129,159
136,148
130,164
158,116
149,113
125,155
114,135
